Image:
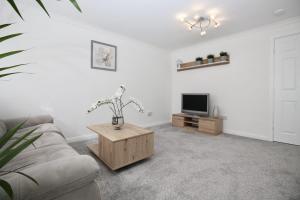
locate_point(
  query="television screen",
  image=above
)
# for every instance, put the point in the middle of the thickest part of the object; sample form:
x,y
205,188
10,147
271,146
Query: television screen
x,y
195,103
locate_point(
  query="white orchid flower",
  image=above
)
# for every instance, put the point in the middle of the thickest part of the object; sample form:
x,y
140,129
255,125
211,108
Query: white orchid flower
x,y
93,107
120,91
116,104
137,104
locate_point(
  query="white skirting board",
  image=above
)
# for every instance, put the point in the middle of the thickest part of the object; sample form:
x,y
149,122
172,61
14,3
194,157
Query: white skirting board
x,y
247,134
227,131
94,136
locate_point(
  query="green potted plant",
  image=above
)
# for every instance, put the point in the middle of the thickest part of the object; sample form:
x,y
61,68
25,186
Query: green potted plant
x,y
223,56
210,58
10,144
199,60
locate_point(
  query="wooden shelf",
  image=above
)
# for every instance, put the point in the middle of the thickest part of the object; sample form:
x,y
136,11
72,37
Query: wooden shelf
x,y
202,124
196,65
190,122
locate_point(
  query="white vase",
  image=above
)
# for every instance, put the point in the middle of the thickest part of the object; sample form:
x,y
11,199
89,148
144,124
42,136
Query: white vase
x,y
178,63
216,112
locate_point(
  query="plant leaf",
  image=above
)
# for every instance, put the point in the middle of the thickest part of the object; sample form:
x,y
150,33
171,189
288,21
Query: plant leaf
x,y
18,141
4,139
8,74
4,25
14,6
10,67
9,155
3,55
9,36
74,2
6,187
42,5
29,177
21,173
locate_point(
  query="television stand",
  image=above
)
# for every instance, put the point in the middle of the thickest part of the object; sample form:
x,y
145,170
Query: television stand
x,y
209,125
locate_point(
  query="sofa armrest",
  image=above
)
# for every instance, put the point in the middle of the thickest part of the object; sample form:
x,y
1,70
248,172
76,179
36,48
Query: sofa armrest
x,y
55,178
30,121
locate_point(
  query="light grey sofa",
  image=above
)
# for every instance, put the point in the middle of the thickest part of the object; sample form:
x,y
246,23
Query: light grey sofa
x,y
61,172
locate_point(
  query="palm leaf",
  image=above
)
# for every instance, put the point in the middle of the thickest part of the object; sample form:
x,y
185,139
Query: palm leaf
x,y
19,140
4,25
14,152
8,74
9,36
11,67
14,6
29,177
42,5
74,2
9,134
21,173
3,55
6,187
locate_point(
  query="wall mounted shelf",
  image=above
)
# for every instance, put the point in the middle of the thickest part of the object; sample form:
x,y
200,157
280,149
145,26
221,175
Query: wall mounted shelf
x,y
196,65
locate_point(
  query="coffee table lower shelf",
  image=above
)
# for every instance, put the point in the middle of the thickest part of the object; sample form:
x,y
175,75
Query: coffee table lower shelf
x,y
94,148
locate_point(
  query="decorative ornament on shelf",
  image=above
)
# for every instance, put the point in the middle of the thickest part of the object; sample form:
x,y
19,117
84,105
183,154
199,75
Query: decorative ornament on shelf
x,y
210,58
202,23
216,112
223,56
199,60
116,105
178,63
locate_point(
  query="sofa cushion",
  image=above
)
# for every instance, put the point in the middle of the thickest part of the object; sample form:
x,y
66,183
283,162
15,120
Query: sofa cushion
x,y
48,139
2,128
34,156
51,135
41,128
28,121
55,178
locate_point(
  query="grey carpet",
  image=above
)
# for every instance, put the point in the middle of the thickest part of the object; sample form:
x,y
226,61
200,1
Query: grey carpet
x,y
189,166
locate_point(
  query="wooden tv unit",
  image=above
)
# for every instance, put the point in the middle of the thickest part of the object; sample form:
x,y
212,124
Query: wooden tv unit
x,y
209,125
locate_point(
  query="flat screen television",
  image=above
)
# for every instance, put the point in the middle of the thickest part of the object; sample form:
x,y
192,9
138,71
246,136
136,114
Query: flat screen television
x,y
197,104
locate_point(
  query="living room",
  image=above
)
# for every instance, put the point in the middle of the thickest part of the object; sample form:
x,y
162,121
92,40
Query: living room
x,y
160,53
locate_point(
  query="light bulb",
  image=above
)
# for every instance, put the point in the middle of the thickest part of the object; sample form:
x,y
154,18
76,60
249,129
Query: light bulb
x,y
202,33
196,17
217,24
181,17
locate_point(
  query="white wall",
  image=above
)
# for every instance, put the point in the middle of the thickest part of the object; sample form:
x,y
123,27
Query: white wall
x,y
64,85
242,89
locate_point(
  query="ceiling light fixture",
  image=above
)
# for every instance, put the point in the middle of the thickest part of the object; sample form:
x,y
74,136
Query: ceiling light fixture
x,y
202,23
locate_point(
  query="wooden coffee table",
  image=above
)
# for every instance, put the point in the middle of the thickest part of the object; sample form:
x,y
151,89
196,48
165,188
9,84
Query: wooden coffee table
x,y
118,148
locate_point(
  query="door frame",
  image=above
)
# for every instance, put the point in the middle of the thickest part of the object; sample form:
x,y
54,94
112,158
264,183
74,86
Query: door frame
x,y
272,77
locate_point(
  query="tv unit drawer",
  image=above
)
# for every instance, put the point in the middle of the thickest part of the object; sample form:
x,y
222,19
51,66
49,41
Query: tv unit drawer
x,y
207,124
178,121
210,125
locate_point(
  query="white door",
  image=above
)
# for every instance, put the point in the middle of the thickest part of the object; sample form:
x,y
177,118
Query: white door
x,y
287,90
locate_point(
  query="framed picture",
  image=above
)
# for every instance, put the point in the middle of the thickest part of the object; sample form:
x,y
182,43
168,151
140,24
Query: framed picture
x,y
103,56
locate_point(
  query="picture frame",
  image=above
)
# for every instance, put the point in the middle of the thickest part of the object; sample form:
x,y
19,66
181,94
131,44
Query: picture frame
x,y
103,56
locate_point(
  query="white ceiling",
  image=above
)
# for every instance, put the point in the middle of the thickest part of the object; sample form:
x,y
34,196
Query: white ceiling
x,y
154,21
